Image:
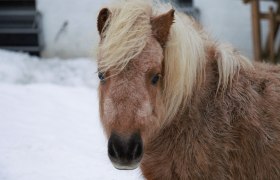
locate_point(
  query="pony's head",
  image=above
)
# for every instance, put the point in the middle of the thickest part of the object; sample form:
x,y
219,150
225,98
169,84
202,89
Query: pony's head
x,y
143,73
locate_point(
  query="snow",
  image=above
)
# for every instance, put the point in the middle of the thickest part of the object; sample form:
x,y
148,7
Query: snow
x,y
49,122
19,68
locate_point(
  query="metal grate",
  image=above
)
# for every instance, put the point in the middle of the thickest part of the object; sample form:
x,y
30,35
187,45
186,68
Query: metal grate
x,y
20,26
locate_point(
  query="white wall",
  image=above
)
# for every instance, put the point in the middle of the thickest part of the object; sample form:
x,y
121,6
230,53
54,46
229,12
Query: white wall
x,y
79,36
230,21
227,20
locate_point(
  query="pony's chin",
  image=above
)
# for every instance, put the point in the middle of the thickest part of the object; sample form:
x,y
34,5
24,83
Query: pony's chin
x,y
125,167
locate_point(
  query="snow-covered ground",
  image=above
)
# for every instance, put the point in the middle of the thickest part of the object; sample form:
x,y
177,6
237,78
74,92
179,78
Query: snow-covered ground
x,y
49,124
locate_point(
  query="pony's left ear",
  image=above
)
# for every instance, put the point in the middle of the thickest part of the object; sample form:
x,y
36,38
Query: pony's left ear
x,y
161,26
102,18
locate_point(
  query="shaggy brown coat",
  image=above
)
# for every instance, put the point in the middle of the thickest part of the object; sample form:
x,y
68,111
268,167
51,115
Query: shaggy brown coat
x,y
230,136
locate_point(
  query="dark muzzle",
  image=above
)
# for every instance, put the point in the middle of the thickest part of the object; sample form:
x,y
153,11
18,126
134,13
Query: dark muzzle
x,y
125,152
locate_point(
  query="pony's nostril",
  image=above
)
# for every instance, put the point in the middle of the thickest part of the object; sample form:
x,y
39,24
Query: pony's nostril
x,y
137,152
136,147
112,149
113,152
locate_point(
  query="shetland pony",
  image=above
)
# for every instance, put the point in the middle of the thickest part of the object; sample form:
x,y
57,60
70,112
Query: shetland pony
x,y
181,105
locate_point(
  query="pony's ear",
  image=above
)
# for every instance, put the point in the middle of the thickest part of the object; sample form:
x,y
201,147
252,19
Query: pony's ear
x,y
102,18
161,26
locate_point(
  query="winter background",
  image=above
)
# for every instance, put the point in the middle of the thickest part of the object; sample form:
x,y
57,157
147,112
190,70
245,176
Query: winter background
x,y
49,122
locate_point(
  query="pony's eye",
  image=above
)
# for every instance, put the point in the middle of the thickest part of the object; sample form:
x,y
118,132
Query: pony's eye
x,y
101,76
155,79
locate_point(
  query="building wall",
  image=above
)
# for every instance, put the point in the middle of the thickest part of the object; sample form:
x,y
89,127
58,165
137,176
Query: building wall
x,y
69,26
230,21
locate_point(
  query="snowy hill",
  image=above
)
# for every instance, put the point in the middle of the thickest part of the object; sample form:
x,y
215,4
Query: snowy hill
x,y
49,124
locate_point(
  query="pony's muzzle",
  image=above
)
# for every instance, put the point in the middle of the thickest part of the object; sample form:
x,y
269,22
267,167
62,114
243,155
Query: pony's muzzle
x,y
125,152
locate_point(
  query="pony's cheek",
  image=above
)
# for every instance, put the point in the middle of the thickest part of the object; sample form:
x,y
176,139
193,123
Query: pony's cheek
x,y
107,115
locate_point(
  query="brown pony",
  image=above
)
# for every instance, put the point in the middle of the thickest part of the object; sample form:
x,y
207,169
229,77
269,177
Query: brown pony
x,y
181,105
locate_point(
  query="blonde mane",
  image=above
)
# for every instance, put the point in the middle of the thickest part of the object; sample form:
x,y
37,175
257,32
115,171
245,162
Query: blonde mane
x,y
126,35
185,54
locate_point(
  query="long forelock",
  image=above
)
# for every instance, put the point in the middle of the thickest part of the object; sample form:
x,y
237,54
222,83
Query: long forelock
x,y
126,34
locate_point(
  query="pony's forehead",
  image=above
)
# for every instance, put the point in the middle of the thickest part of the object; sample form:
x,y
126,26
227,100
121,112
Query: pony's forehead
x,y
151,58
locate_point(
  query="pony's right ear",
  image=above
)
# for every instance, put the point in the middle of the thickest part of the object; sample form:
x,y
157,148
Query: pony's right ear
x,y
161,26
102,18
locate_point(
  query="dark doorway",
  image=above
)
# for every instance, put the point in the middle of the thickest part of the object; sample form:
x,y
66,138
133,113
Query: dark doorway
x,y
185,2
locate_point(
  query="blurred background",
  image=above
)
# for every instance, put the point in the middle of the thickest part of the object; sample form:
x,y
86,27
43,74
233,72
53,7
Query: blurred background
x,y
67,28
49,122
